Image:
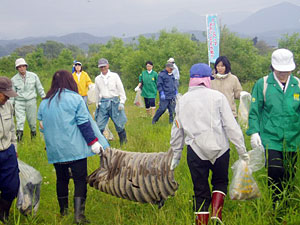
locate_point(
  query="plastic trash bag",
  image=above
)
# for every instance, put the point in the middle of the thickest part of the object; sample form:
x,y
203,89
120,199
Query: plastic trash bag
x,y
244,107
91,94
138,101
28,199
107,133
257,158
243,185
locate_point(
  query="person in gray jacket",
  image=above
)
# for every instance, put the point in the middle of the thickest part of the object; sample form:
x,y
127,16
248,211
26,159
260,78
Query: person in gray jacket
x,y
204,122
9,171
26,84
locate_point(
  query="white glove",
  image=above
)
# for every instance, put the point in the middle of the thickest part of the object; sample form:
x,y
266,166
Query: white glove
x,y
245,156
174,163
137,88
121,106
255,140
97,147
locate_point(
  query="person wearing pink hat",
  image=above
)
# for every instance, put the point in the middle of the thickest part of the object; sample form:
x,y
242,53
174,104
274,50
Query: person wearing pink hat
x,y
274,121
204,122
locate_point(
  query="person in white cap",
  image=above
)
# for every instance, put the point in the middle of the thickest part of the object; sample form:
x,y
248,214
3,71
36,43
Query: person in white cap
x,y
175,72
110,100
204,122
274,120
26,84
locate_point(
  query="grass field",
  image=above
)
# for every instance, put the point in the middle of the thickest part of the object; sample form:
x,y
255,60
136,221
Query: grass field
x,y
102,208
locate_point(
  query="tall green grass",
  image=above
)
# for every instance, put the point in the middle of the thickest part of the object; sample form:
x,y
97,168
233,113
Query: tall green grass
x,y
102,208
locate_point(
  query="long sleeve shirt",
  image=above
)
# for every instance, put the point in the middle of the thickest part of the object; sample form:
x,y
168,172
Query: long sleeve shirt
x,y
202,110
109,86
7,127
27,86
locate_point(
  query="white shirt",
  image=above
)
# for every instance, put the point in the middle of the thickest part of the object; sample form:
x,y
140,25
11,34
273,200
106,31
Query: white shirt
x,y
200,111
176,72
109,86
78,76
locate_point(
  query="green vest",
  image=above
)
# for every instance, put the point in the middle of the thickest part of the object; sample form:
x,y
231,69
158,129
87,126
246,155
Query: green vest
x,y
149,84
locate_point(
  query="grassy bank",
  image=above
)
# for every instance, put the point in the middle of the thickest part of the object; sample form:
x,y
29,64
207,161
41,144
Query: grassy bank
x,y
102,208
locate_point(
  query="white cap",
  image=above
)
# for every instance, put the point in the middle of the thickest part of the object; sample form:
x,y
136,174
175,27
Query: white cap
x,y
171,60
283,60
20,62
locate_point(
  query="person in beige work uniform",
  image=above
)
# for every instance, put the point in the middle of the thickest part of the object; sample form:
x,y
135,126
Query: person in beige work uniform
x,y
9,171
227,83
26,84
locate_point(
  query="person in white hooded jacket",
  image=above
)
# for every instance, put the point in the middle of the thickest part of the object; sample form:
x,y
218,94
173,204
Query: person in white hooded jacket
x,y
204,122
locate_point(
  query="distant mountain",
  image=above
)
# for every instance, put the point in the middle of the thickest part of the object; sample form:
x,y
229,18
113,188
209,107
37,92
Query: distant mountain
x,y
271,22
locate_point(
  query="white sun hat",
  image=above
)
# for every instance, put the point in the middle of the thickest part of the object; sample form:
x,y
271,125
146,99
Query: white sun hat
x,y
283,60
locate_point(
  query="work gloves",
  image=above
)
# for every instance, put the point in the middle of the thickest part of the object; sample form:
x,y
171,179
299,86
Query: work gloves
x,y
245,156
137,88
174,163
162,95
121,106
255,140
97,148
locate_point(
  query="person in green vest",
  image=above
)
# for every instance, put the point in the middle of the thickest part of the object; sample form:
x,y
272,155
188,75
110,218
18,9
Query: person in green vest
x,y
274,121
148,84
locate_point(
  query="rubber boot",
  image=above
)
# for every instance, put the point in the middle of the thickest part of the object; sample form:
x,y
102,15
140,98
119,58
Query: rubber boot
x,y
63,205
19,135
123,137
33,134
217,203
202,218
4,209
79,208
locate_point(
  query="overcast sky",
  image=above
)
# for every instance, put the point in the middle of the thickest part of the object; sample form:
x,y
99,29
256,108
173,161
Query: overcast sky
x,y
19,19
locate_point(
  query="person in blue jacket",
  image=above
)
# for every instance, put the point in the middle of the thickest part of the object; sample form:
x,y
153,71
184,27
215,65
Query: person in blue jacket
x,y
70,136
166,87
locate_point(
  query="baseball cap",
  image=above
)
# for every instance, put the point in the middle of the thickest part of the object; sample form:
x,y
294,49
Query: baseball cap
x,y
102,62
200,70
77,62
170,65
283,60
6,87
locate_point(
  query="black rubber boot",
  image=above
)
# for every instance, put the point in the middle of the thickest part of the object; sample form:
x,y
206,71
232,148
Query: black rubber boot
x,y
79,208
123,137
33,134
4,210
63,205
19,135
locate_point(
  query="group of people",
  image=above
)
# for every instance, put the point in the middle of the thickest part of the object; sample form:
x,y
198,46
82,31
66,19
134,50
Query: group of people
x,y
205,121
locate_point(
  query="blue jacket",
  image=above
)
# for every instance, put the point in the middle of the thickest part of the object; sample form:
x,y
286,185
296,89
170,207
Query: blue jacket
x,y
166,83
61,121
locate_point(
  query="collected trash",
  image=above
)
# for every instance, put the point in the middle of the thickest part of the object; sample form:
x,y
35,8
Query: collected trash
x,y
107,133
244,107
28,199
138,101
91,94
140,177
243,186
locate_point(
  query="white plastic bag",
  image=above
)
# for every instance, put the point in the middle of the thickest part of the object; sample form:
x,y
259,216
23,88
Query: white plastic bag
x,y
91,94
28,199
243,185
244,107
257,158
107,133
138,101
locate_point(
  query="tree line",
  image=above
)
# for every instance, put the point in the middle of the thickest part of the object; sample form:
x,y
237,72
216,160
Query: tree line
x,y
249,60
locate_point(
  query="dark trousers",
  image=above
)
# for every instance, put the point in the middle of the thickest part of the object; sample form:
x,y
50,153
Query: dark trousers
x,y
281,170
199,170
78,169
163,105
9,174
